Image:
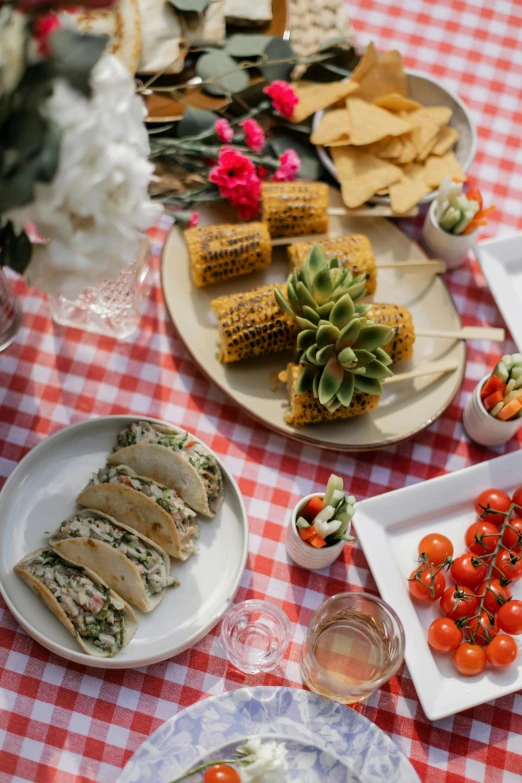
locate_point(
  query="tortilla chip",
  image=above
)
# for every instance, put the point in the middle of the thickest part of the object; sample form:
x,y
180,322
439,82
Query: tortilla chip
x,y
338,143
382,192
408,151
392,149
404,195
427,123
367,62
438,166
313,97
361,175
385,77
334,126
445,140
395,102
370,123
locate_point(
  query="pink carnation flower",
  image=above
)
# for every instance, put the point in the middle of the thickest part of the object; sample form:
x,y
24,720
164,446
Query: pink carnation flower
x,y
289,167
193,220
223,131
284,99
254,135
237,181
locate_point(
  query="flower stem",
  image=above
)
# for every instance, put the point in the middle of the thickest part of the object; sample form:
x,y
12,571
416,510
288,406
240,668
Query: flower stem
x,y
202,767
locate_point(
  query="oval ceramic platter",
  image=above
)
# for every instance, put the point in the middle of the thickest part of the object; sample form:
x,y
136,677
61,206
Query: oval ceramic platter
x,y
324,740
41,492
408,409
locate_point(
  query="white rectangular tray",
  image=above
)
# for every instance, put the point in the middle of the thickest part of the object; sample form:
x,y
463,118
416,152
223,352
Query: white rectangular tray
x,y
389,528
501,262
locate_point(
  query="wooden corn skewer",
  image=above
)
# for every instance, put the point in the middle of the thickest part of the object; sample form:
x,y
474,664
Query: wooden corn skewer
x,y
492,333
379,210
431,368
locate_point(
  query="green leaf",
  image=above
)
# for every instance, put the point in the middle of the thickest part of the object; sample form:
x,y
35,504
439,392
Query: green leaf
x,y
227,78
324,354
331,379
305,381
194,121
311,314
311,166
363,357
283,304
342,312
310,355
292,296
15,249
382,356
346,356
374,336
315,386
367,385
75,55
190,6
345,392
358,288
247,45
306,339
304,323
348,335
278,49
316,259
377,370
322,286
304,295
327,335
325,309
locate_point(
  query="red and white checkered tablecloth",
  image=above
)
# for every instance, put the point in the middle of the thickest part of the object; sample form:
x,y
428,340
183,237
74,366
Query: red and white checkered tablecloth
x,y
61,722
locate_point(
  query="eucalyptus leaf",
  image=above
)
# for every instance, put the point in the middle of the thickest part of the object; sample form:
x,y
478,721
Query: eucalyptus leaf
x,y
311,167
278,49
247,46
15,249
227,78
190,6
75,55
195,121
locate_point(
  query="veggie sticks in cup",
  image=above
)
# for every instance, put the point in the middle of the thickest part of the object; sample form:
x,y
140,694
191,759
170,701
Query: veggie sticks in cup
x,y
458,212
501,395
324,522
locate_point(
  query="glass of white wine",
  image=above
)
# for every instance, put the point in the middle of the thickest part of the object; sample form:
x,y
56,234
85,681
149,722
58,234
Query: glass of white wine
x,y
355,643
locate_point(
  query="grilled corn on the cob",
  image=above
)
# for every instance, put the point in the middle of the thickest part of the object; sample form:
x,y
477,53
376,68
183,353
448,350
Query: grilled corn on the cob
x,y
353,251
218,253
295,208
400,348
252,324
305,409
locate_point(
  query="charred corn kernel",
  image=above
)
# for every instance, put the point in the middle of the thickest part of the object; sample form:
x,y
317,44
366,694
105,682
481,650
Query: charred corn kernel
x,y
218,253
400,347
353,251
295,208
305,409
252,324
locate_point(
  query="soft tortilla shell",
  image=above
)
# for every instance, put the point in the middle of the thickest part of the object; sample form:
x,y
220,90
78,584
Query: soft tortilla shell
x,y
120,573
134,509
43,592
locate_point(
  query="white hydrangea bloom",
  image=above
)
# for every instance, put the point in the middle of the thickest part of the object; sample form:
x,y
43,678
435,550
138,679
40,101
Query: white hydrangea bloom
x,y
262,762
95,211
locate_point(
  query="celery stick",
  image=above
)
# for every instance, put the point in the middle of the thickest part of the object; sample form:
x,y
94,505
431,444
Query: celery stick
x,y
334,483
497,408
449,219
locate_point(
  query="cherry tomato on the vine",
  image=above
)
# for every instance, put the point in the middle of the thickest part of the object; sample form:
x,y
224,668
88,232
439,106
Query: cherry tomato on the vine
x,y
496,595
512,537
458,601
221,773
436,547
509,617
502,651
443,635
509,564
483,629
422,583
496,500
469,659
517,498
468,570
487,534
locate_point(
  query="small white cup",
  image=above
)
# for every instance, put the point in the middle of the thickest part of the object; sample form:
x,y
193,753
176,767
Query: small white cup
x,y
451,248
304,554
484,428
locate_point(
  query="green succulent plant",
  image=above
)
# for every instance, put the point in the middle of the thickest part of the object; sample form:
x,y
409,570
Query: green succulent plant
x,y
340,350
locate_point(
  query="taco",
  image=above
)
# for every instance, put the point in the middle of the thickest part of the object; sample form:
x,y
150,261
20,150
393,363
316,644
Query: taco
x,y
101,621
134,566
150,508
174,458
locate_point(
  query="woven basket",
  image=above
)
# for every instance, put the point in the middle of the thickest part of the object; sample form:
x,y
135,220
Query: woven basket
x,y
314,21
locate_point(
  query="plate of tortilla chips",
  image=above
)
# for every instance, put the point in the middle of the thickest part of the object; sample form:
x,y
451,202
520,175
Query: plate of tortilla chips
x,y
388,135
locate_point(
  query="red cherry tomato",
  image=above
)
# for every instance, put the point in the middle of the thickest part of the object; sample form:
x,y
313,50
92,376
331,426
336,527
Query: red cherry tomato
x,y
496,595
423,586
496,500
509,564
458,601
468,570
482,630
517,498
482,537
436,547
512,537
469,659
443,635
221,773
502,651
509,617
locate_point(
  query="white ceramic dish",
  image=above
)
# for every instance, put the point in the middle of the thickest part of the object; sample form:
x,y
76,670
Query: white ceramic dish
x,y
40,493
389,528
428,92
501,262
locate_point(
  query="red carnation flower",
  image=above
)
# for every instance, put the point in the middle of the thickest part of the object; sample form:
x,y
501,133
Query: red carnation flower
x,y
284,99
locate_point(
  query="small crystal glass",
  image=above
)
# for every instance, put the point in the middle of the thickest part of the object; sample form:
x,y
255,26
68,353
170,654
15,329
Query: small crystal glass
x,y
354,644
255,636
112,308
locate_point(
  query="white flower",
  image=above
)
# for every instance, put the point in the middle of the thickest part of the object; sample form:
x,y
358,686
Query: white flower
x,y
12,42
262,762
94,213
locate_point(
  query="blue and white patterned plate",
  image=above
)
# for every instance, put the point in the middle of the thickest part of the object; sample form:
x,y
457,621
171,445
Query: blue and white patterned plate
x,y
325,741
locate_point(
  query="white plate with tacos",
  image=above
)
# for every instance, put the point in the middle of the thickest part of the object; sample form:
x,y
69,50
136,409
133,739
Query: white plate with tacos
x,y
130,531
